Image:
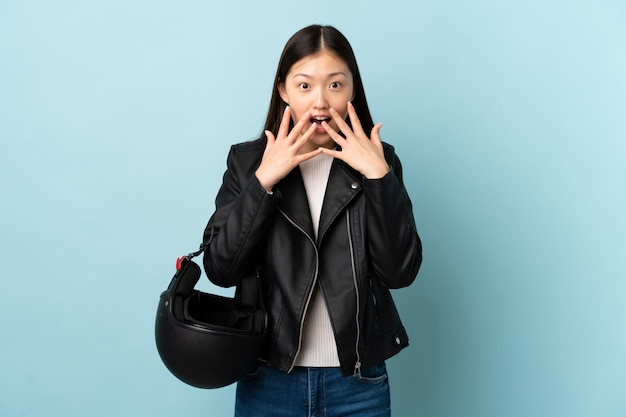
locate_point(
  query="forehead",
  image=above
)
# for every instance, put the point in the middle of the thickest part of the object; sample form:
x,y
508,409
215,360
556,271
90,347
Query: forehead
x,y
322,64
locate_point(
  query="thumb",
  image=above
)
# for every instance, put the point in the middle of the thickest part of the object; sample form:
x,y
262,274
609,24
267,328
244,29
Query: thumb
x,y
375,135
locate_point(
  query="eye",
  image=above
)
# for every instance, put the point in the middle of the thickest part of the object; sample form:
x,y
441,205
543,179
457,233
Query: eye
x,y
335,85
304,86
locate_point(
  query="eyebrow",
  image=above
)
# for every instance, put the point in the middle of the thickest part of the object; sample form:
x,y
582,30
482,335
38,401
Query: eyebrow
x,y
332,74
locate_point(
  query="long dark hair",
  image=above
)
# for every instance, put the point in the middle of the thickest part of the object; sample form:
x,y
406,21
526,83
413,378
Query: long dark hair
x,y
310,41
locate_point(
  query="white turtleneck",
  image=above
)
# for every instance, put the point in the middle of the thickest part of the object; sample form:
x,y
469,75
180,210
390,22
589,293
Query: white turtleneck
x,y
318,340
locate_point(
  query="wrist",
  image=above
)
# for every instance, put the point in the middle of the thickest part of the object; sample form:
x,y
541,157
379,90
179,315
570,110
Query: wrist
x,y
266,184
377,173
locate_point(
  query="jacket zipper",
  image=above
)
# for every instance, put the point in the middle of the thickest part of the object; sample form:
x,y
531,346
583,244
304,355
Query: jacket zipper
x,y
357,365
308,300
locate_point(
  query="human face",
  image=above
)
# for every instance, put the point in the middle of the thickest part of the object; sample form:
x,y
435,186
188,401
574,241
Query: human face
x,y
316,84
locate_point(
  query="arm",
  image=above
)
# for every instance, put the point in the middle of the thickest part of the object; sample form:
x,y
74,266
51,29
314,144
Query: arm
x,y
245,205
395,250
394,246
239,226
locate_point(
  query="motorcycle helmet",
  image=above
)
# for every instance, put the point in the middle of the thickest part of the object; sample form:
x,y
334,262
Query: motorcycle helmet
x,y
206,340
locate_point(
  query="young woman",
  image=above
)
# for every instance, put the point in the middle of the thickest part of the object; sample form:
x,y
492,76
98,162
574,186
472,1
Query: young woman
x,y
318,209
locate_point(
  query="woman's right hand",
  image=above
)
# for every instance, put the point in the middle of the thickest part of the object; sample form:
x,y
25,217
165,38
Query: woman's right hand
x,y
282,152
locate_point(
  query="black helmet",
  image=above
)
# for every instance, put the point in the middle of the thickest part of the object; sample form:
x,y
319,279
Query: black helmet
x,y
206,340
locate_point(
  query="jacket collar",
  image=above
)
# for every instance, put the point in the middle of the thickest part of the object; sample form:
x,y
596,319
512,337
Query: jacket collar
x,y
344,183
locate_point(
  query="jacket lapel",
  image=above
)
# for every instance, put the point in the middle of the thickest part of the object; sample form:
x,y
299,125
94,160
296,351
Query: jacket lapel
x,y
344,184
294,202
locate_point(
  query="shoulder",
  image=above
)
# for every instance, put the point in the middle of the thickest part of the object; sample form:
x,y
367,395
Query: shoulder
x,y
246,155
388,148
250,146
392,159
390,154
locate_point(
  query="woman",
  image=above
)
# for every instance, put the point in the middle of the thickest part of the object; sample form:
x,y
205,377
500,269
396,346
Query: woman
x,y
318,210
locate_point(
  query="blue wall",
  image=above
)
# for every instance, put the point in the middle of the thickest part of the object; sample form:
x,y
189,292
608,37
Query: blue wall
x,y
510,118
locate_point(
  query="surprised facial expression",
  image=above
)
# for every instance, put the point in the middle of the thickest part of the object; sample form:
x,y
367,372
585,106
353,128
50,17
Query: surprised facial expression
x,y
316,84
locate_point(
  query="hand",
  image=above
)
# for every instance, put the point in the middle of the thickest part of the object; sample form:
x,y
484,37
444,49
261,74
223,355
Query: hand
x,y
357,150
282,153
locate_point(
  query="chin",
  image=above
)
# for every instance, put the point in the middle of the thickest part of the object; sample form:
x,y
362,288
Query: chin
x,y
320,139
330,144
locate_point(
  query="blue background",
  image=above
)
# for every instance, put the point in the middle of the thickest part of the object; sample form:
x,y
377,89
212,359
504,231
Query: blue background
x,y
510,118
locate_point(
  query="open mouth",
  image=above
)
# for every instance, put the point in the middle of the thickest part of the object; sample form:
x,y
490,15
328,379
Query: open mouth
x,y
320,119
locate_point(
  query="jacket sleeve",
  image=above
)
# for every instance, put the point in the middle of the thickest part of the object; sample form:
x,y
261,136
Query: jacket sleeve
x,y
394,246
238,228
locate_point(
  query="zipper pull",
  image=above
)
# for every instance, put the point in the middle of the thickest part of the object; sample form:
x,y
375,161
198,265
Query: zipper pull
x,y
357,370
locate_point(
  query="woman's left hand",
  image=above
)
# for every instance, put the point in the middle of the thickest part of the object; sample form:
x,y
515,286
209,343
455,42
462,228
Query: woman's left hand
x,y
363,153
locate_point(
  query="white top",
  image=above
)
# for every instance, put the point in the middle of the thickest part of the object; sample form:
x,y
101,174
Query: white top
x,y
318,340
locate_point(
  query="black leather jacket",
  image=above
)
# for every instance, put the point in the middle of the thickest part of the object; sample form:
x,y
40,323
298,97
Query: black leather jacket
x,y
367,243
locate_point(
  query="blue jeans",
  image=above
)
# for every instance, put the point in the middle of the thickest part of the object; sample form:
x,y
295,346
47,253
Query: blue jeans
x,y
313,392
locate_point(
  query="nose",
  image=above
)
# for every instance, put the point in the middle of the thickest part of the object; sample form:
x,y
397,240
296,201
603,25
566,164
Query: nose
x,y
320,101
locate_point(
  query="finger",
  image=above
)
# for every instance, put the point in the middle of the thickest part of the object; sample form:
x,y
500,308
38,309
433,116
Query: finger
x,y
302,139
354,120
284,123
341,123
375,136
336,137
297,129
332,152
309,155
270,137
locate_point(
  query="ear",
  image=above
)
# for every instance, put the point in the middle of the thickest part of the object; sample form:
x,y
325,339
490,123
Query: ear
x,y
283,92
